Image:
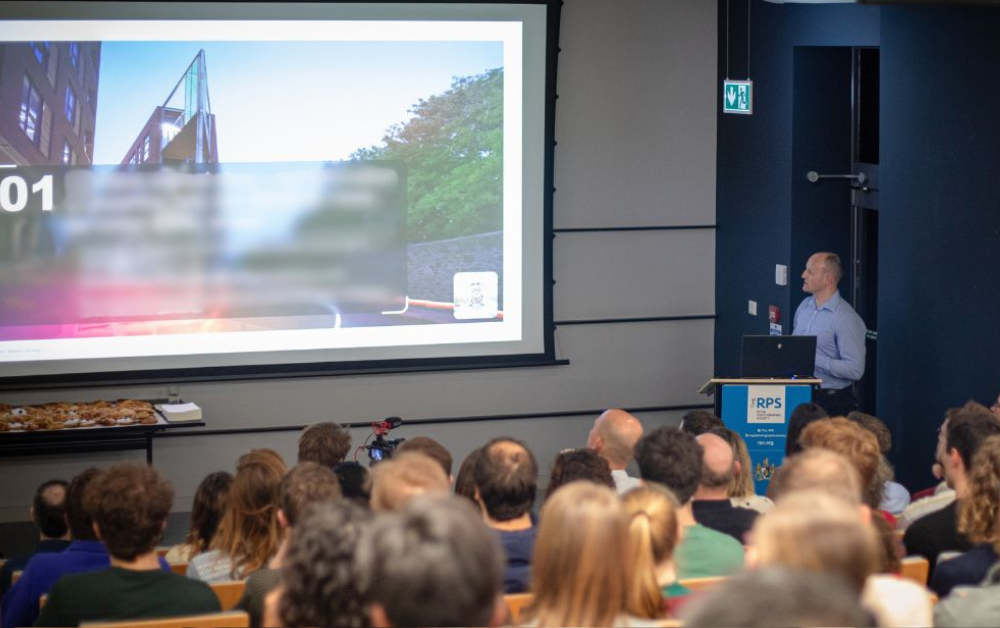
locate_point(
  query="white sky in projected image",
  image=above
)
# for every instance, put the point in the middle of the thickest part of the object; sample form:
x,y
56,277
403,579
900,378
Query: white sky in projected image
x,y
282,101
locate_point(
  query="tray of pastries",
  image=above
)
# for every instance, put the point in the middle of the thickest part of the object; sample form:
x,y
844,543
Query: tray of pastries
x,y
70,415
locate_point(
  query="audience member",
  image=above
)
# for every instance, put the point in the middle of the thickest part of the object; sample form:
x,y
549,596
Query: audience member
x,y
85,553
48,513
859,446
578,464
324,443
210,502
582,565
816,532
398,480
654,532
319,578
355,482
506,477
697,422
613,437
465,481
305,484
129,505
995,408
895,497
777,596
977,520
249,533
832,474
964,429
971,606
673,458
742,492
430,448
710,505
802,416
434,564
819,470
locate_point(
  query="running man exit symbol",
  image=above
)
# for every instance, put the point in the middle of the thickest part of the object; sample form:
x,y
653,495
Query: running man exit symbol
x,y
737,97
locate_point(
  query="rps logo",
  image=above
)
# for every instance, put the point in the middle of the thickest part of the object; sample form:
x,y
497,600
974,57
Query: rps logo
x,y
766,404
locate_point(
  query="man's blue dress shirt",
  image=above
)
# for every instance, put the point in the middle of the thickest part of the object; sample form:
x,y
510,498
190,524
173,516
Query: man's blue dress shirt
x,y
20,604
840,339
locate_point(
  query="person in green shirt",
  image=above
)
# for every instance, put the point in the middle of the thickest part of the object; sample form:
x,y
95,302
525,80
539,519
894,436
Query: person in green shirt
x,y
129,505
674,459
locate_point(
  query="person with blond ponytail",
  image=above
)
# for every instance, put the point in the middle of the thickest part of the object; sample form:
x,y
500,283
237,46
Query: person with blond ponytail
x,y
582,565
654,532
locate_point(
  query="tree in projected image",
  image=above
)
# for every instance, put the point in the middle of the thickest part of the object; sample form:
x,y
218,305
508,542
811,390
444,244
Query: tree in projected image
x,y
453,151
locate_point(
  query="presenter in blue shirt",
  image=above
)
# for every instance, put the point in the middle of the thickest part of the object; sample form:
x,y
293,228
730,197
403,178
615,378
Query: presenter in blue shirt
x,y
839,331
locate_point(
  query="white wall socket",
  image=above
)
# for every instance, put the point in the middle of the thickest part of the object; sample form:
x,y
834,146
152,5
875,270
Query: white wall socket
x,y
752,308
781,274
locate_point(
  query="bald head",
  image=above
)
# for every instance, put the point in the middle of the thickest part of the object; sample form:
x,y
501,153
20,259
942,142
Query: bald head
x,y
614,436
717,462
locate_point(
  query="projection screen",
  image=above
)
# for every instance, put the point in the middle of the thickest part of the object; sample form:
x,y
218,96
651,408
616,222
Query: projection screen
x,y
214,190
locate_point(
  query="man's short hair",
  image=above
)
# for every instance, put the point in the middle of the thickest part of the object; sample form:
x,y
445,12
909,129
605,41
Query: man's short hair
x,y
831,264
324,443
434,564
579,464
49,508
672,458
619,431
430,448
506,477
319,574
81,526
968,427
697,422
876,426
130,503
712,478
802,416
304,484
853,442
355,481
818,470
398,480
776,596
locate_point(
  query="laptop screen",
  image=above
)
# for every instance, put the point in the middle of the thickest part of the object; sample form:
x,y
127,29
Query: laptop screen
x,y
778,356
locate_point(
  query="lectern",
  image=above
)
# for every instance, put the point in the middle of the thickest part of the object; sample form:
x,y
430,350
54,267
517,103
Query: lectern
x,y
758,409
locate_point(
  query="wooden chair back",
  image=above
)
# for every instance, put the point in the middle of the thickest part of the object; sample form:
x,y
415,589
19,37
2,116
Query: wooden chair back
x,y
915,568
229,592
702,584
14,577
235,619
181,569
516,602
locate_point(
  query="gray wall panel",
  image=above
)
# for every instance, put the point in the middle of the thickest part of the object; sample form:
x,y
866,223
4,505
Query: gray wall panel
x,y
636,113
628,274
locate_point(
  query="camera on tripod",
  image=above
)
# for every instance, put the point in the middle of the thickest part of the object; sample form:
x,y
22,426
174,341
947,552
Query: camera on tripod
x,y
381,448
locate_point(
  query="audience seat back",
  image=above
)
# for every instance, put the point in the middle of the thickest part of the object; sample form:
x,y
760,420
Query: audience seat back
x,y
180,569
236,619
229,592
915,568
516,603
702,584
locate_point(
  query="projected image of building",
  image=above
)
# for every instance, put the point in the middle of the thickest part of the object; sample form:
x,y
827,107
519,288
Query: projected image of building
x,y
182,129
48,102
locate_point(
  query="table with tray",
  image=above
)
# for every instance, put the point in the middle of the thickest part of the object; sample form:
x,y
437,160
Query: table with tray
x,y
89,439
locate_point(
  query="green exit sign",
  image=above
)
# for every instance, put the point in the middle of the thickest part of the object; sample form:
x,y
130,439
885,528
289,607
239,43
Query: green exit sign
x,y
737,97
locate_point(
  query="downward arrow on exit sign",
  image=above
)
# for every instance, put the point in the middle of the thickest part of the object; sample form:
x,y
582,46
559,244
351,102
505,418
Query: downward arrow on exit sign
x,y
737,97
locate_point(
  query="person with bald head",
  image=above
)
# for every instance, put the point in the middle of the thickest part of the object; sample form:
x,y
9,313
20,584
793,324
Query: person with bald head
x,y
613,437
711,505
839,331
